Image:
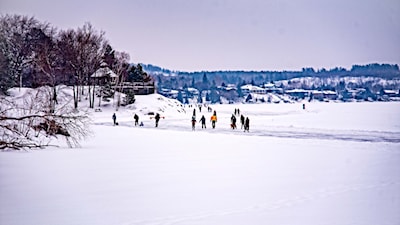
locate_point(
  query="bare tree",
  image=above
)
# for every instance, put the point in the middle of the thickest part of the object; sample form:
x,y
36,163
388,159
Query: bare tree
x,y
82,53
47,60
121,69
28,122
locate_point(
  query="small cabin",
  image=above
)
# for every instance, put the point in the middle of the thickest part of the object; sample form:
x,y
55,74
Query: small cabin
x,y
104,75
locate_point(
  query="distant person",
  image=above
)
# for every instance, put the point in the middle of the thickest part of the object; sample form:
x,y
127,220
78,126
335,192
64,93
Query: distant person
x,y
114,117
213,120
247,125
136,118
203,122
157,117
304,106
242,120
193,122
233,122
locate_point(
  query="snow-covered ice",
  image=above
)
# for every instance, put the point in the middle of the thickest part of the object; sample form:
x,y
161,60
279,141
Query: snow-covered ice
x,y
332,163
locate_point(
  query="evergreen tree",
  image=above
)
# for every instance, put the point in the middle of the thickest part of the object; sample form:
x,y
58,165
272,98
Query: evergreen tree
x,y
130,96
239,90
193,83
205,85
215,96
186,100
136,74
248,98
207,97
180,97
109,57
205,79
200,99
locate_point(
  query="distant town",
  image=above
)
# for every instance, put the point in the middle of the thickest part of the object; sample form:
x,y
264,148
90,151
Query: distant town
x,y
373,82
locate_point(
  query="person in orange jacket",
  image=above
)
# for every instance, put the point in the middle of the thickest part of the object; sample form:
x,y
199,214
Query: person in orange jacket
x,y
213,120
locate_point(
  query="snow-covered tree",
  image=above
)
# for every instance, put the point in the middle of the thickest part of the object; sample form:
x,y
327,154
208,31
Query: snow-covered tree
x,y
16,44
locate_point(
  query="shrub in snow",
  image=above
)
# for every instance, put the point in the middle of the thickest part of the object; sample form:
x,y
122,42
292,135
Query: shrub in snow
x,y
31,122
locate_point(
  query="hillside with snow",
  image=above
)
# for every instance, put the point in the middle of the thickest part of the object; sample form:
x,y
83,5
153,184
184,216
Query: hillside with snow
x,y
330,163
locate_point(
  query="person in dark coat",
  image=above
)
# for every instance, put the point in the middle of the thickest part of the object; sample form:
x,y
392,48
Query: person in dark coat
x,y
233,122
247,124
157,117
241,121
136,118
203,122
193,122
114,117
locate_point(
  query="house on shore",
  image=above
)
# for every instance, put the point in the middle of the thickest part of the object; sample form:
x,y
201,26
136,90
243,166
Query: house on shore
x,y
298,93
251,89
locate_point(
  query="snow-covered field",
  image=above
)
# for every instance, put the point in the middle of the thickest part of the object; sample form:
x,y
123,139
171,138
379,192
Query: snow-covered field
x,y
330,164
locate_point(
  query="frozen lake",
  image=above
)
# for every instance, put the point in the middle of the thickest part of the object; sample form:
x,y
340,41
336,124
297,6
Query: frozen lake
x,y
332,163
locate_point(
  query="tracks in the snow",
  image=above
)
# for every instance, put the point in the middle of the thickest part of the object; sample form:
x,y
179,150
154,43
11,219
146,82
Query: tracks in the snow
x,y
287,132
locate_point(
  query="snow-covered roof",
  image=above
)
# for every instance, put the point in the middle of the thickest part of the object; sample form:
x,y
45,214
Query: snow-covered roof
x,y
329,92
230,88
297,91
251,87
269,85
192,90
391,92
103,72
169,91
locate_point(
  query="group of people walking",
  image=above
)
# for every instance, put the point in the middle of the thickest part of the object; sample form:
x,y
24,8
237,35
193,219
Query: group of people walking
x,y
245,122
213,120
136,119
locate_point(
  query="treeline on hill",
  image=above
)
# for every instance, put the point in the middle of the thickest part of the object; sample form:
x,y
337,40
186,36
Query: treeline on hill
x,y
35,54
178,79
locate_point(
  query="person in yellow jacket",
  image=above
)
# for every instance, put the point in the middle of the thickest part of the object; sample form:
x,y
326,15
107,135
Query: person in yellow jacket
x,y
213,120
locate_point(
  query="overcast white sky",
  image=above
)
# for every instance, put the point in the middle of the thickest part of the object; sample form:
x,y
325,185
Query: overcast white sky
x,y
193,35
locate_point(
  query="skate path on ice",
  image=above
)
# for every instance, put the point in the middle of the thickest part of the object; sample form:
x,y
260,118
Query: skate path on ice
x,y
284,132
